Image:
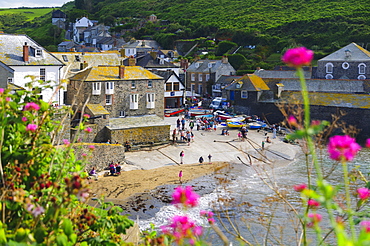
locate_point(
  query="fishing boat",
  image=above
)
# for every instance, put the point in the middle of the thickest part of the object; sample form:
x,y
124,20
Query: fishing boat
x,y
222,115
256,125
236,122
199,111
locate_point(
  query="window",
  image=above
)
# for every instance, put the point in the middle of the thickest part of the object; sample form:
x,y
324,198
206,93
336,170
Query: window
x,y
361,77
244,94
109,88
96,88
10,80
192,88
197,64
345,65
200,77
209,65
193,77
133,84
150,84
77,58
38,53
134,101
168,86
176,86
207,77
329,67
200,89
150,97
329,76
42,74
65,58
122,114
361,68
108,99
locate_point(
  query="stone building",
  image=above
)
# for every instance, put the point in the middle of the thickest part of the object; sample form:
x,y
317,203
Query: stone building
x,y
122,92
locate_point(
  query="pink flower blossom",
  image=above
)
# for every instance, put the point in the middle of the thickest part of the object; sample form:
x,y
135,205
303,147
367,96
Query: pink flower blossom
x,y
8,99
86,116
83,194
30,207
32,106
366,225
342,148
208,215
84,155
313,203
185,196
38,211
298,57
314,219
66,142
91,147
181,227
24,119
88,130
368,143
315,122
31,127
363,193
2,90
292,121
300,187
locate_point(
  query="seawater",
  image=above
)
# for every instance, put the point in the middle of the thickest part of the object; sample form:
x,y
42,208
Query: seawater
x,y
248,205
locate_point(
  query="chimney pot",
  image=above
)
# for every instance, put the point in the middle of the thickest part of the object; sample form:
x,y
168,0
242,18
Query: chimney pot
x,y
121,72
25,52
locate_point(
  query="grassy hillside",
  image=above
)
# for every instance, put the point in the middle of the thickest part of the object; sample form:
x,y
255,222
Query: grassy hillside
x,y
28,13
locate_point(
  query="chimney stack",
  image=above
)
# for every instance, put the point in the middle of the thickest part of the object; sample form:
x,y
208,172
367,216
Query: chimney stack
x,y
132,61
25,52
225,59
121,72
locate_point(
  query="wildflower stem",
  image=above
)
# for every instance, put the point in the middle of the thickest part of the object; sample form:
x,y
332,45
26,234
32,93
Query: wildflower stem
x,y
348,199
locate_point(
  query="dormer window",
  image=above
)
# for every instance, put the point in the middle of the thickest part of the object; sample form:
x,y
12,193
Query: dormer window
x,y
38,53
209,65
345,65
197,65
65,58
329,67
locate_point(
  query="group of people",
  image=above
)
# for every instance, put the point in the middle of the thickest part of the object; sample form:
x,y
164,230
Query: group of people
x,y
201,160
114,168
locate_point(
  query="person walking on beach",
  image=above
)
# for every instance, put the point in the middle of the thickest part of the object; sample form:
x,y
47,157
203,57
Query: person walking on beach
x,y
209,158
183,121
180,176
182,157
201,159
274,132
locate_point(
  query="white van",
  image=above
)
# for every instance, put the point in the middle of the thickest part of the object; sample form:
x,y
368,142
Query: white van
x,y
217,103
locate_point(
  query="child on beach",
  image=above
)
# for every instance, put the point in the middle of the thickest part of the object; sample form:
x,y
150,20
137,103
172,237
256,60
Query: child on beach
x,y
182,156
180,176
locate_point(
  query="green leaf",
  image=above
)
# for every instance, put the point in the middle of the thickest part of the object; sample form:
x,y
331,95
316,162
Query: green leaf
x,y
67,227
39,235
62,240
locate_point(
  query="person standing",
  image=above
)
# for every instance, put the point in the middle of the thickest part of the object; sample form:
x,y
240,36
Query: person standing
x,y
191,125
201,159
182,154
188,137
183,121
209,158
178,124
263,145
274,132
180,176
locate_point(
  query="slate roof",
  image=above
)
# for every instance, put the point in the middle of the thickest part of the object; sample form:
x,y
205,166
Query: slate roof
x,y
351,52
331,99
97,109
11,52
135,122
111,73
325,85
58,14
166,74
281,74
148,61
249,82
227,79
203,66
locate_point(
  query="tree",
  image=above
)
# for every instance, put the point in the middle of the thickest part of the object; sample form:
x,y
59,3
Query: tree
x,y
224,46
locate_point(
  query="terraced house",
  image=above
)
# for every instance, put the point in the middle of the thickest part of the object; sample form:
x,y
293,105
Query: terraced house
x,y
124,102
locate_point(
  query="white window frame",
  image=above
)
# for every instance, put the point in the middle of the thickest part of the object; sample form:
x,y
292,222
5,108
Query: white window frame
x,y
362,68
134,101
361,77
244,94
10,79
192,88
345,65
329,67
150,84
207,77
200,77
108,99
329,76
43,74
192,77
200,89
38,53
133,84
122,114
109,88
96,88
150,100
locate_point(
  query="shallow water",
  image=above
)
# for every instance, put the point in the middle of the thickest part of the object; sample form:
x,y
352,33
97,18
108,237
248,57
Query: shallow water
x,y
244,200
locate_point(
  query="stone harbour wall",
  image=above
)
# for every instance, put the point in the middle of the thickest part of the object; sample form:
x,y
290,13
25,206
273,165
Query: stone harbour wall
x,y
141,135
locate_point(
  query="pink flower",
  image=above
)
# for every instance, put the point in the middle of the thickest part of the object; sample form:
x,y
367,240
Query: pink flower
x,y
24,119
38,211
292,121
208,215
300,187
368,143
91,147
31,127
86,116
32,106
83,194
363,193
315,122
342,148
88,130
2,90
84,155
298,57
313,203
66,142
314,219
8,99
366,225
181,227
185,196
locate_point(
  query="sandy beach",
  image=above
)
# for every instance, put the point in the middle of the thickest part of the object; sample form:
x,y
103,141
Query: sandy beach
x,y
146,170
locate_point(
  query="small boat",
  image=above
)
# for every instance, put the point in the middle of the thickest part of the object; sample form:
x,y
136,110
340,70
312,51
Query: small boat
x,y
235,124
208,116
256,125
222,115
199,111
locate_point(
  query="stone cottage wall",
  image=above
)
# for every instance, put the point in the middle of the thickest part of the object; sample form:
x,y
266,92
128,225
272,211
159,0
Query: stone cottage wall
x,y
142,135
